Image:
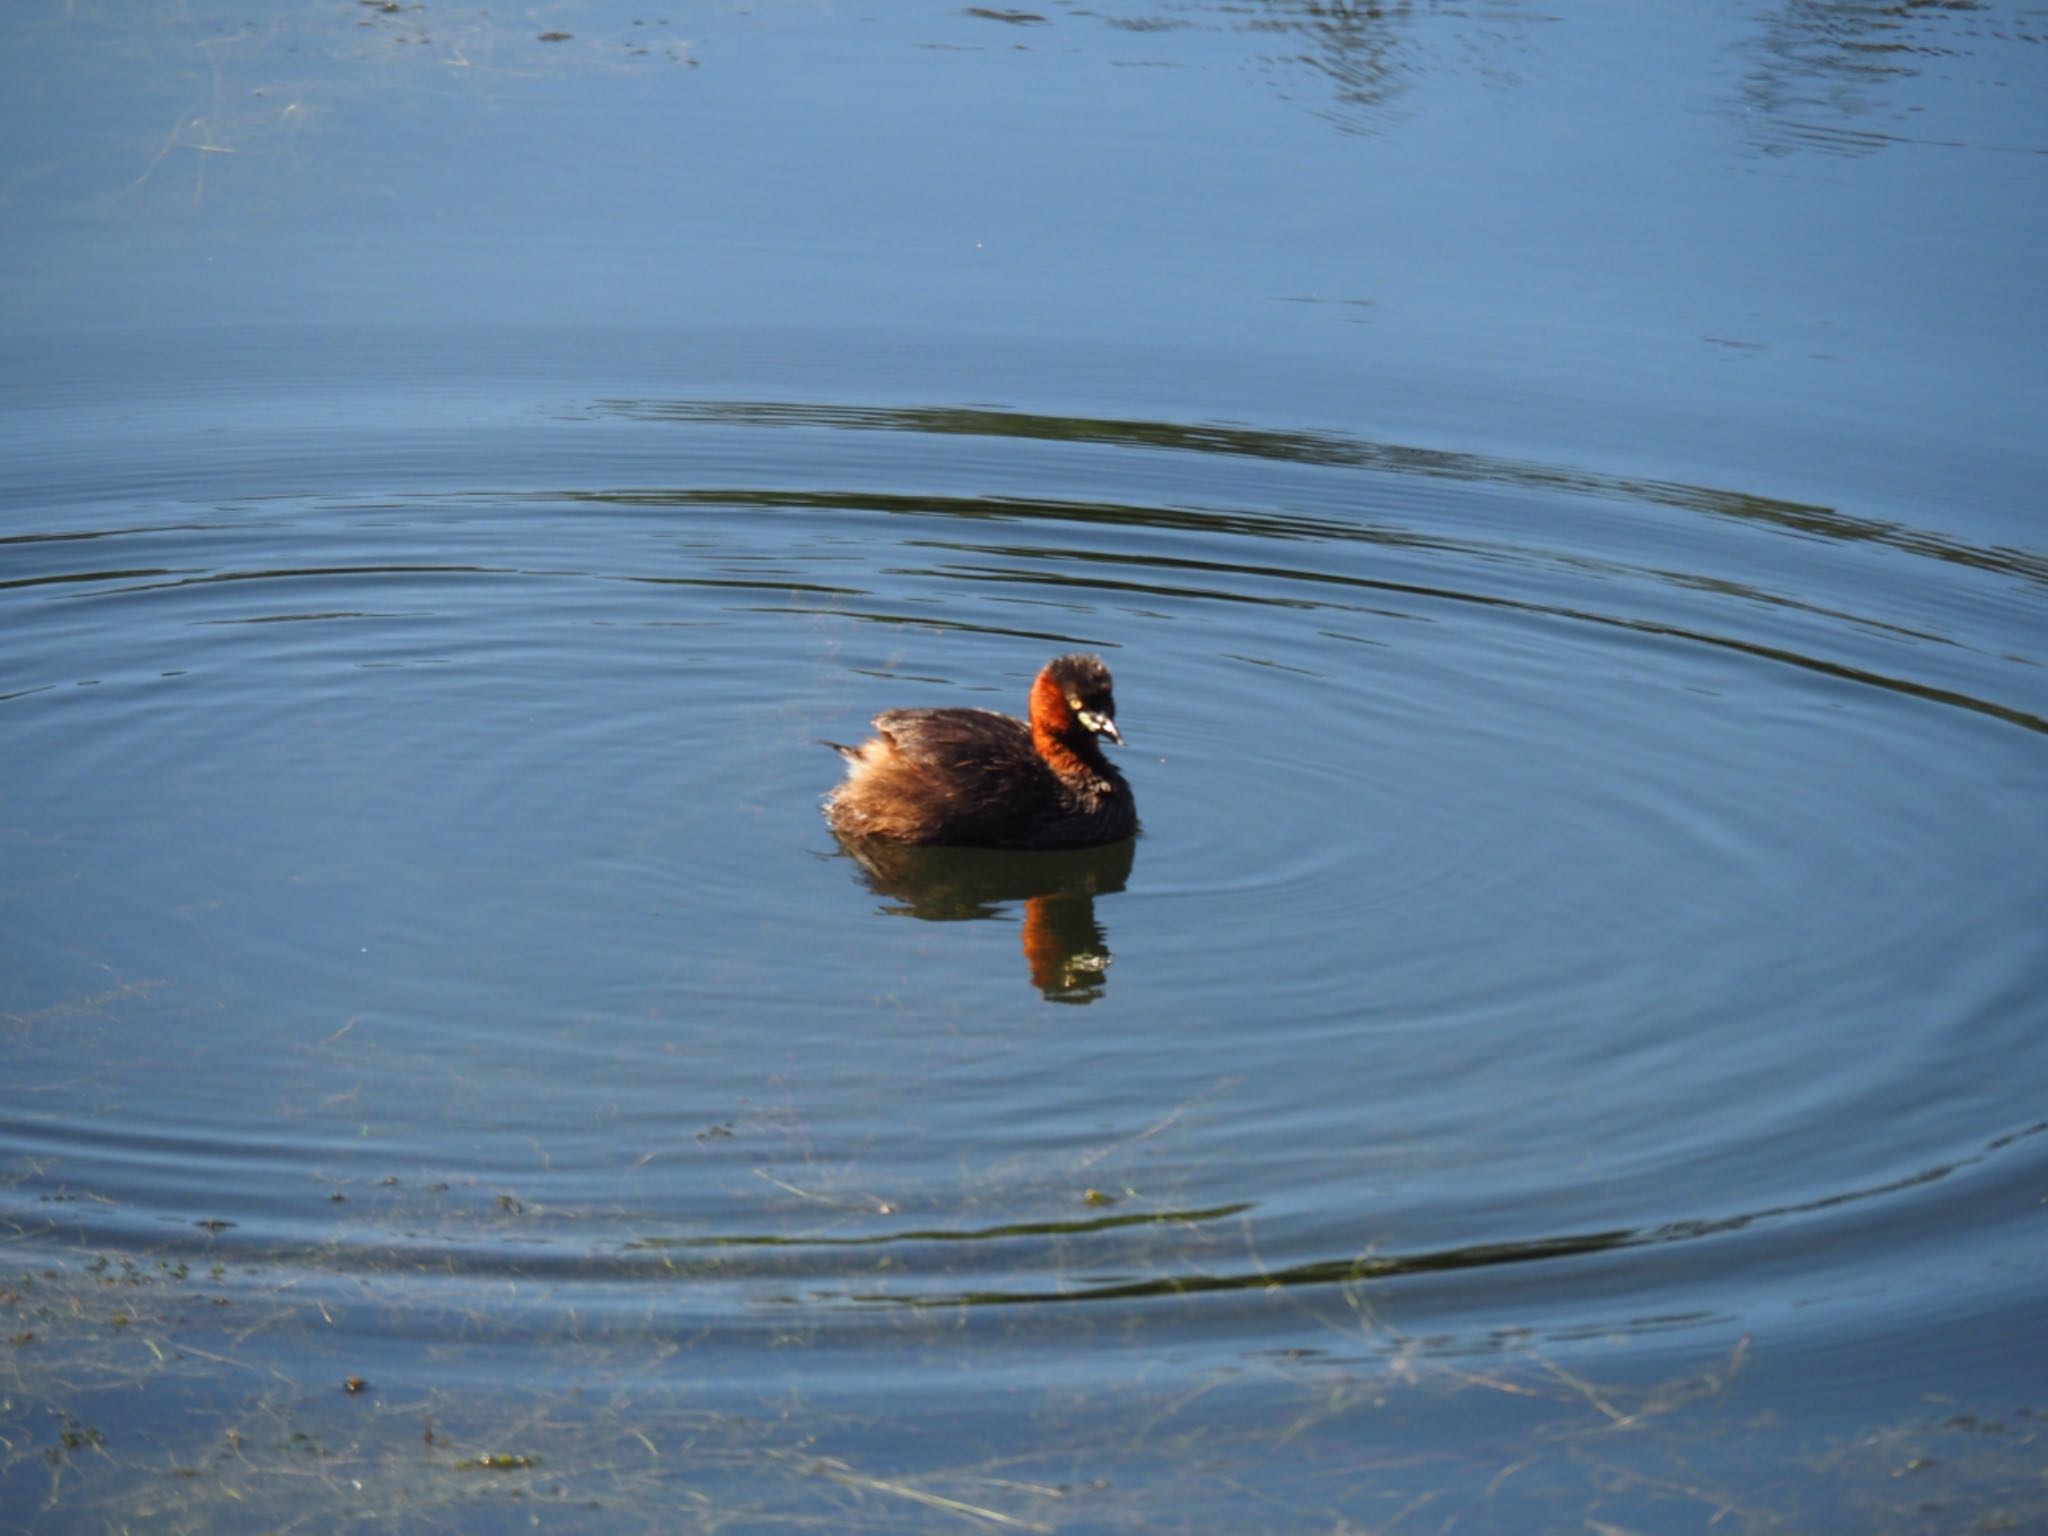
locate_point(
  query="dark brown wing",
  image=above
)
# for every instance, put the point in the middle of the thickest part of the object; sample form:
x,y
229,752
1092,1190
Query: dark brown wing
x,y
954,738
964,776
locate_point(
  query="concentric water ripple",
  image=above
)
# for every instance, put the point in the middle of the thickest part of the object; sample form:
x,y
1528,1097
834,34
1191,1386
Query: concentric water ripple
x,y
1543,868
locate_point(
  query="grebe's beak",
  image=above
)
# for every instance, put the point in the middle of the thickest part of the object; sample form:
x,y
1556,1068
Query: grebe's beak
x,y
1101,725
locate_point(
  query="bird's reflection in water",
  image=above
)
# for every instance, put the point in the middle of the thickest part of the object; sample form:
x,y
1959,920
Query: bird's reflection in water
x,y
1064,945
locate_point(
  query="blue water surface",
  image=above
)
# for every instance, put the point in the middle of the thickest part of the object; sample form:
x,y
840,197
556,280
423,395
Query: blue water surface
x,y
1558,489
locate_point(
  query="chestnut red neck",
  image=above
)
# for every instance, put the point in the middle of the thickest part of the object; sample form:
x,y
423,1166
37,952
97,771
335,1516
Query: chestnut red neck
x,y
1061,739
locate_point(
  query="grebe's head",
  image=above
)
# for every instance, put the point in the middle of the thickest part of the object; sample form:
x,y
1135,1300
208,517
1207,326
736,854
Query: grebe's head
x,y
1082,683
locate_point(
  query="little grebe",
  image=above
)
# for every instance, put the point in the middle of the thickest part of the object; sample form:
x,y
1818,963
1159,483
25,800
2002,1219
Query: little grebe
x,y
974,778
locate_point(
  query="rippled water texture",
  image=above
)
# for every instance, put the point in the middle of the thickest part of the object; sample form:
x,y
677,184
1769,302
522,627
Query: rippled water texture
x,y
1559,494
